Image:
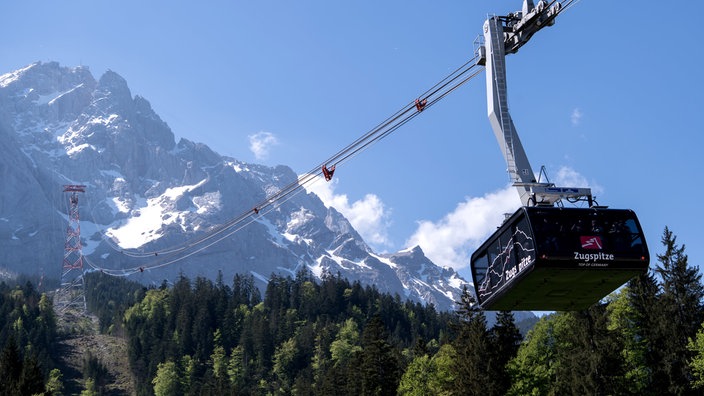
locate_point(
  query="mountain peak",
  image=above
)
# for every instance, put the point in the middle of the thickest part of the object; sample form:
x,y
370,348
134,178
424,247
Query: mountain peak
x,y
155,210
113,85
45,78
415,250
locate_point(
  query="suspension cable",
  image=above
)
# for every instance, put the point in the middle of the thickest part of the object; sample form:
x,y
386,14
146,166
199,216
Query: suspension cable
x,y
168,256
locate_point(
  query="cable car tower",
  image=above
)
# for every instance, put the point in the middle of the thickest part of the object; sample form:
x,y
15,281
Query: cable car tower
x,y
545,257
72,291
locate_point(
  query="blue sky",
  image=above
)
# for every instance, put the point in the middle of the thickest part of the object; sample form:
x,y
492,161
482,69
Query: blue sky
x,y
609,97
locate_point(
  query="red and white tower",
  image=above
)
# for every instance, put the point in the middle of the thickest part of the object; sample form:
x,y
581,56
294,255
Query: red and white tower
x,y
72,293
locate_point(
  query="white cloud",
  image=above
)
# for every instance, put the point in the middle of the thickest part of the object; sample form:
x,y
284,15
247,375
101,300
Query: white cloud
x,y
576,116
568,177
261,142
450,241
368,215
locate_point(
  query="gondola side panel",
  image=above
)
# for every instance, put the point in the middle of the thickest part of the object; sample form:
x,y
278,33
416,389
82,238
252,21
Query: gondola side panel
x,y
506,257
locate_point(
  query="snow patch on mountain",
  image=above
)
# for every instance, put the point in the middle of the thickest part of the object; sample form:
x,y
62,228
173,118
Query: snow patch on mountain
x,y
385,260
149,216
276,236
208,202
9,78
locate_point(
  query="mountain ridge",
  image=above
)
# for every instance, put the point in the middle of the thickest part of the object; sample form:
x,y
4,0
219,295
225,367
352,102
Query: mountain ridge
x,y
146,192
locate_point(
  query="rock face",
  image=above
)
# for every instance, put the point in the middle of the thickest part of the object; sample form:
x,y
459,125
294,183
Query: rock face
x,y
154,209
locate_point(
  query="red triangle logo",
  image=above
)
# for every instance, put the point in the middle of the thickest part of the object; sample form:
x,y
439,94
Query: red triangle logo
x,y
591,242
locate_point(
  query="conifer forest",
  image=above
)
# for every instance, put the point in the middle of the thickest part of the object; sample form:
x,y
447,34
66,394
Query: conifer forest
x,y
304,336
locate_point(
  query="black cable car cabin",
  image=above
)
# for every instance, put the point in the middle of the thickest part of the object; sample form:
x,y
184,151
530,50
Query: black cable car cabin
x,y
558,259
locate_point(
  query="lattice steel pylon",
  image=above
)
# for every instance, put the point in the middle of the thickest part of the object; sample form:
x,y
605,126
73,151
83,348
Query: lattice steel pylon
x,y
72,292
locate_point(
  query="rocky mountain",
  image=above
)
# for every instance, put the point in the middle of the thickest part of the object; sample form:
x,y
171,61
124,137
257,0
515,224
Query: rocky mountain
x,y
154,208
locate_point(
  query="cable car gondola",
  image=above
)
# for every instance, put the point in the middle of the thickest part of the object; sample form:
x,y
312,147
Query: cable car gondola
x,y
557,259
546,257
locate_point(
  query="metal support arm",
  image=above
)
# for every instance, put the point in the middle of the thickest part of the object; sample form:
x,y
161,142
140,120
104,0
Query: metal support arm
x,y
504,35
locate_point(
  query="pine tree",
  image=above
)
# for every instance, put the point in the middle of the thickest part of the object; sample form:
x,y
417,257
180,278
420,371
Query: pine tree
x,y
379,366
321,362
620,314
31,379
644,326
589,360
219,365
10,368
505,338
474,360
235,369
681,284
533,369
682,294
